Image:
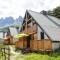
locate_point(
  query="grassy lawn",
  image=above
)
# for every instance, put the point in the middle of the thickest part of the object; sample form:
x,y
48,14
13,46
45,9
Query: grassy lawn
x,y
1,57
35,56
38,56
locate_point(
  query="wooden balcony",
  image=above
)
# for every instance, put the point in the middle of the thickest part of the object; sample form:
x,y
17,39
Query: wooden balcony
x,y
35,45
41,45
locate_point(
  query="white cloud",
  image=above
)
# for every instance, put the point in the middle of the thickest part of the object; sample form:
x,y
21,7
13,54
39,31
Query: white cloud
x,y
18,7
50,4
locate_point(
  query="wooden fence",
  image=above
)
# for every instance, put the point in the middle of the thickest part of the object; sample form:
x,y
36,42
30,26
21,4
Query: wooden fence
x,y
5,53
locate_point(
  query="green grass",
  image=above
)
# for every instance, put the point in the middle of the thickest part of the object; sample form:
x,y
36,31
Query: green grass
x,y
39,56
1,45
35,56
1,57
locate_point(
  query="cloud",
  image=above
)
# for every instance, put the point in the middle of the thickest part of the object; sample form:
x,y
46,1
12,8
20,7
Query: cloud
x,y
50,4
15,8
1,12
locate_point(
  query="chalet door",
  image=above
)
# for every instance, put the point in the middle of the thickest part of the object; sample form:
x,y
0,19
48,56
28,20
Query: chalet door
x,y
28,41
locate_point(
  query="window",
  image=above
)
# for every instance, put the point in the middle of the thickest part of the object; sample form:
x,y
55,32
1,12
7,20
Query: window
x,y
42,35
34,22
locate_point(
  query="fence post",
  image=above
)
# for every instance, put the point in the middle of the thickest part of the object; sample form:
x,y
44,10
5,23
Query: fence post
x,y
4,53
1,51
8,53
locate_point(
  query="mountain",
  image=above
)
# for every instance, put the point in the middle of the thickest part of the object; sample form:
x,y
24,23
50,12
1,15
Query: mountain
x,y
10,21
19,19
7,20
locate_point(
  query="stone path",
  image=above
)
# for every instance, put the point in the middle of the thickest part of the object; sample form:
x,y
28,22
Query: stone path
x,y
13,57
15,54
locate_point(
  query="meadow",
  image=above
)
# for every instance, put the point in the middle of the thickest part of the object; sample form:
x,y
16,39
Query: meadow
x,y
38,56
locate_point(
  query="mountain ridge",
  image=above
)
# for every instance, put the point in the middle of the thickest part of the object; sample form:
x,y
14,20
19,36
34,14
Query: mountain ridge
x,y
10,20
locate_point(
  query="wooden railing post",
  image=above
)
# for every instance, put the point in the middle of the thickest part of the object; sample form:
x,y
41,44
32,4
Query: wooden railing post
x,y
3,50
4,53
8,53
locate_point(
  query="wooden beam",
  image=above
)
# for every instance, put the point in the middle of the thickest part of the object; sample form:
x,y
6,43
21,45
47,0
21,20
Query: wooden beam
x,y
27,21
32,23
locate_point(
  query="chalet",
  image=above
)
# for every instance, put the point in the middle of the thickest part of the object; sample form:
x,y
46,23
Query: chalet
x,y
43,30
9,36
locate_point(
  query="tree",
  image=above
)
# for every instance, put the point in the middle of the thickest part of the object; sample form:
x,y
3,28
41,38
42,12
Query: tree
x,y
56,12
50,13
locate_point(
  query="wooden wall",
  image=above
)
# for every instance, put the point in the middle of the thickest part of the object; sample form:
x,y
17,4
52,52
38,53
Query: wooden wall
x,y
35,45
22,43
30,29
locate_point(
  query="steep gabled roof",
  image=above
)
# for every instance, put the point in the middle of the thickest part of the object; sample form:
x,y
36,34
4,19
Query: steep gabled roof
x,y
13,31
54,20
49,24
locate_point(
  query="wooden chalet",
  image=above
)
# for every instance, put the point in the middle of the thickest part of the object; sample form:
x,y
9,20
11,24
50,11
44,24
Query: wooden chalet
x,y
43,30
9,36
8,40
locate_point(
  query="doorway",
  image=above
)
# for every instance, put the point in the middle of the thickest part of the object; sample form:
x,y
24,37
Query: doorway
x,y
28,41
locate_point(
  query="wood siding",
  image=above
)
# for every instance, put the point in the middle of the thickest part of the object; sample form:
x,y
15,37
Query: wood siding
x,y
22,43
30,29
42,45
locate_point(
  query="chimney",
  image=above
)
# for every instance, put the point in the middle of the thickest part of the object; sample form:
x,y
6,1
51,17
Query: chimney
x,y
43,12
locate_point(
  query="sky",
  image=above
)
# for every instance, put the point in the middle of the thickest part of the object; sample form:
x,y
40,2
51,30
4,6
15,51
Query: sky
x,y
17,8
